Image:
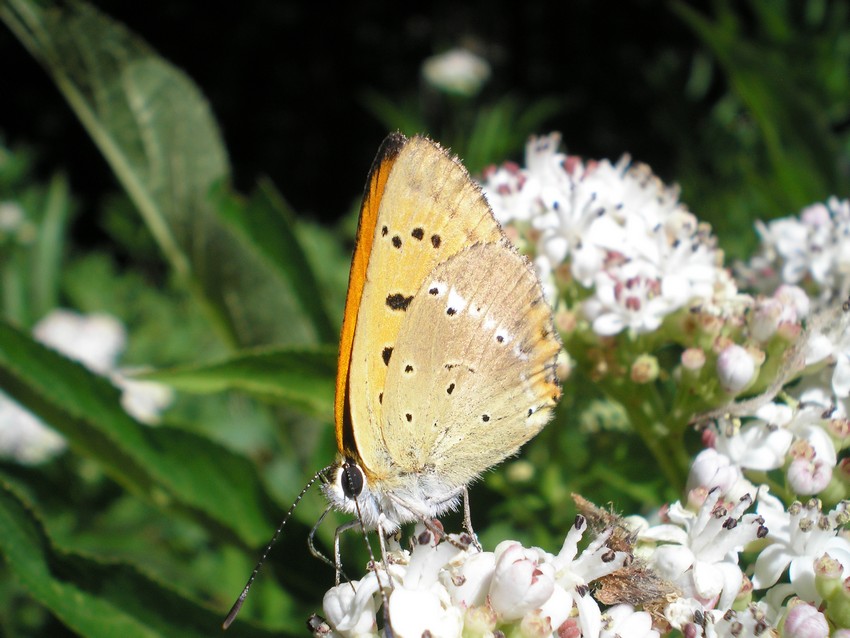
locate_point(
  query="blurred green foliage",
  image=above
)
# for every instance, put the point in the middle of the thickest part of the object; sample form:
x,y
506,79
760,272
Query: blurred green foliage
x,y
237,299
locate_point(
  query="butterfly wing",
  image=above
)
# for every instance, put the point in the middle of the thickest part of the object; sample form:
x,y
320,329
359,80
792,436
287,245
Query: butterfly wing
x,y
473,376
421,207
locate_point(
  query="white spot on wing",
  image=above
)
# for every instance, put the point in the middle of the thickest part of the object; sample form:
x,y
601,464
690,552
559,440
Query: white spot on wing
x,y
456,301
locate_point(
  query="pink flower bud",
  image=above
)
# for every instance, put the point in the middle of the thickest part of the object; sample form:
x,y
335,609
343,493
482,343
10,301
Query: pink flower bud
x,y
804,621
735,369
808,476
520,584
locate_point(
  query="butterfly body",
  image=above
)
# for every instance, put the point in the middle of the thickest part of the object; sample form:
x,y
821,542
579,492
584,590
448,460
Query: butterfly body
x,y
447,354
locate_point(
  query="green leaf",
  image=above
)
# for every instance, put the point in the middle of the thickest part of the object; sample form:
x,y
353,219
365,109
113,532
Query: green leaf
x,y
166,466
48,250
93,597
268,224
158,134
298,377
793,126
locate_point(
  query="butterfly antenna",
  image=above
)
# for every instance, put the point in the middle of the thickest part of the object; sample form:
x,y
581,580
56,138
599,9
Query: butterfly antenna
x,y
234,611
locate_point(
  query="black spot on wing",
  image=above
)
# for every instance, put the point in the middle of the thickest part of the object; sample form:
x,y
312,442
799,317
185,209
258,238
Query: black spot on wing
x,y
398,301
396,241
386,353
436,241
417,233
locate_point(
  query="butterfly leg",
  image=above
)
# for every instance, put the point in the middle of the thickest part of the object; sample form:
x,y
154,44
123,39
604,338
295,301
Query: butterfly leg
x,y
467,519
337,556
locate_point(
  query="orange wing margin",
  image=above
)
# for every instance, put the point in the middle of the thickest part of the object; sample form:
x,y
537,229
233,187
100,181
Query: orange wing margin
x,y
373,192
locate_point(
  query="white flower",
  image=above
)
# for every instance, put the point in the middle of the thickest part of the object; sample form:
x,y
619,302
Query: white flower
x,y
760,444
420,601
702,551
622,621
96,341
604,217
631,297
799,536
574,573
438,588
693,620
24,438
457,71
143,400
778,435
812,248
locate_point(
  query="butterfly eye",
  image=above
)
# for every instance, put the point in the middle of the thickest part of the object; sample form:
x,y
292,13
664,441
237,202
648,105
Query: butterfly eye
x,y
351,479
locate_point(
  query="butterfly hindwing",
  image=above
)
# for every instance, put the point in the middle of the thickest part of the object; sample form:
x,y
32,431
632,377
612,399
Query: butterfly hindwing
x,y
483,382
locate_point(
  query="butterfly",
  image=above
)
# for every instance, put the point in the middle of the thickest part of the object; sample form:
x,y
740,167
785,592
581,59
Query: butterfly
x,y
447,357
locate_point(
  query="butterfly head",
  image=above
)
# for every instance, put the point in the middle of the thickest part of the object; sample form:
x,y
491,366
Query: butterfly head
x,y
348,490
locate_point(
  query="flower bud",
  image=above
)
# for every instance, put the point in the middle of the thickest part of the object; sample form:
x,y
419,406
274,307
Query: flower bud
x,y
535,625
828,576
711,469
350,607
805,621
519,584
693,359
644,369
838,605
808,476
765,318
735,369
479,622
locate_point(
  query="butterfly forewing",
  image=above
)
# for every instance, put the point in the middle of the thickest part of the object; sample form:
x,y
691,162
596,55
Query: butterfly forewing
x,y
429,210
483,381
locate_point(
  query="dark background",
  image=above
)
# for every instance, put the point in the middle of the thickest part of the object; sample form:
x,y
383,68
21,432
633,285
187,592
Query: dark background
x,y
287,81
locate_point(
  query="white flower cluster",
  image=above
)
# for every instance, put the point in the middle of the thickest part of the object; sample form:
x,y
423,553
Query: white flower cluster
x,y
622,232
96,341
811,250
621,255
448,589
